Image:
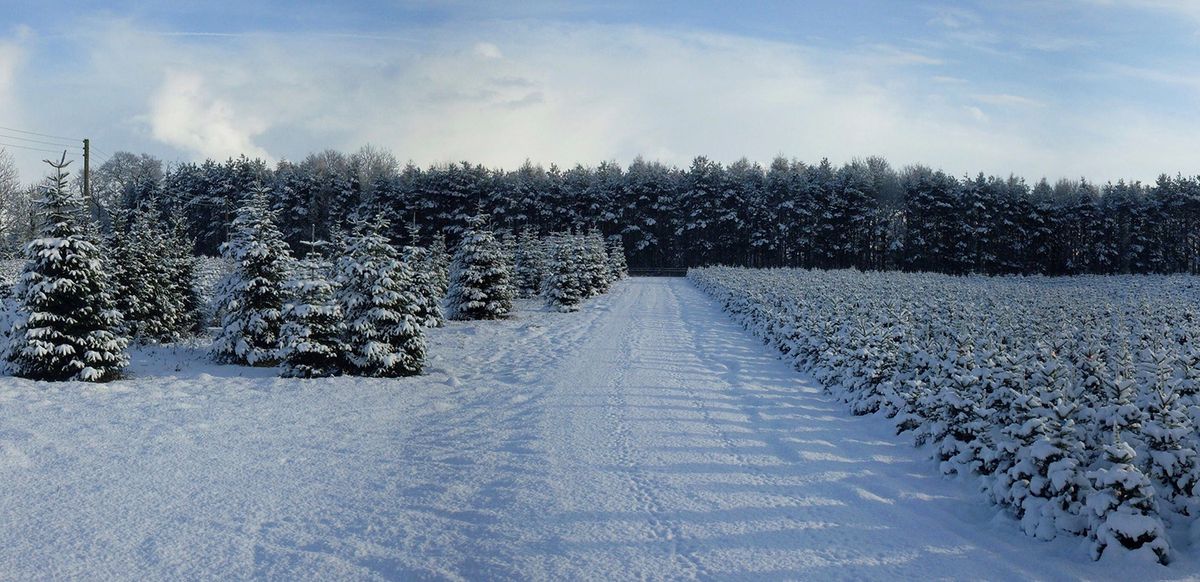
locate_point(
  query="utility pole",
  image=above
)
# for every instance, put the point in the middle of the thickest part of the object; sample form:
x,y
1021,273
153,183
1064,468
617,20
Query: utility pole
x,y
87,174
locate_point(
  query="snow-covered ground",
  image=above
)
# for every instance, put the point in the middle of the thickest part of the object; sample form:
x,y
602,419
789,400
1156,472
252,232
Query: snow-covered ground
x,y
645,437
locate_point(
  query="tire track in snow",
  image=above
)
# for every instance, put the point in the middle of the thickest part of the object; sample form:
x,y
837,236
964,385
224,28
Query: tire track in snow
x,y
666,529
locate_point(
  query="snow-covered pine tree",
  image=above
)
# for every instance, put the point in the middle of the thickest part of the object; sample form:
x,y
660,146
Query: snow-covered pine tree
x,y
148,293
508,249
617,267
420,262
1187,366
250,299
595,268
1093,372
1122,509
182,266
439,264
564,287
1170,461
378,298
66,326
530,263
119,261
480,282
311,335
1047,468
1011,485
962,417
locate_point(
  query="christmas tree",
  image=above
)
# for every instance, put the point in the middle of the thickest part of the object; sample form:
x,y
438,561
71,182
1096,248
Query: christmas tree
x,y
480,286
379,301
250,299
66,326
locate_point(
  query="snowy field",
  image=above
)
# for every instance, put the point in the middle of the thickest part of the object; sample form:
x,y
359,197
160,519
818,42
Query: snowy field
x,y
645,437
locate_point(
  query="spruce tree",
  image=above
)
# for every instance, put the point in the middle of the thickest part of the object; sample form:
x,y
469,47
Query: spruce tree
x,y
530,263
439,264
508,249
595,264
66,326
1166,428
564,287
250,298
617,267
148,289
378,298
182,267
480,281
421,262
1122,507
311,335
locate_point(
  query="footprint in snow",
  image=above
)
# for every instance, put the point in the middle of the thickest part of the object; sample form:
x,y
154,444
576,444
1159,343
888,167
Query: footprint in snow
x,y
13,457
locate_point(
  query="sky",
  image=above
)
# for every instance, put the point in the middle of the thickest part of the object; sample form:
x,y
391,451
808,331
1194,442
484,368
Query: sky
x,y
1101,89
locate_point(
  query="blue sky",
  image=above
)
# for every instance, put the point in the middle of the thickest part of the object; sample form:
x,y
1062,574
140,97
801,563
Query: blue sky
x,y
1097,88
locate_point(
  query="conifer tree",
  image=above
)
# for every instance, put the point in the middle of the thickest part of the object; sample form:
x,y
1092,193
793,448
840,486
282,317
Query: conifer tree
x,y
1012,484
1166,428
959,414
617,267
421,262
148,289
250,299
595,267
378,298
1122,507
480,281
508,249
66,326
182,267
311,335
439,264
565,285
530,263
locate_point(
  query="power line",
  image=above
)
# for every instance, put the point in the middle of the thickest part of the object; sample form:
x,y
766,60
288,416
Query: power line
x,y
38,134
33,140
24,147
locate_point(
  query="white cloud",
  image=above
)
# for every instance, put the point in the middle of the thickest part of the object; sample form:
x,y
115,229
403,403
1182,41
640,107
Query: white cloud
x,y
183,114
487,50
570,93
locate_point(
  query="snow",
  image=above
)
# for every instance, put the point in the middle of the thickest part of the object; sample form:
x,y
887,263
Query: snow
x,y
646,436
10,271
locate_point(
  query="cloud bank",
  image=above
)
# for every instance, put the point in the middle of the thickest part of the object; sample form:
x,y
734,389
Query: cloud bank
x,y
501,92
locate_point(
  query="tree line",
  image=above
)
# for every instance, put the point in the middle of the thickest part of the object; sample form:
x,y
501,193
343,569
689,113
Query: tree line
x,y
863,214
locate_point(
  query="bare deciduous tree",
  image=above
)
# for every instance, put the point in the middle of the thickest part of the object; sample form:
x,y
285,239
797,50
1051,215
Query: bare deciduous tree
x,y
15,208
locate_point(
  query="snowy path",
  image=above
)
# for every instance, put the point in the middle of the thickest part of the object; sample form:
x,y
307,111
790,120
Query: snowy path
x,y
647,437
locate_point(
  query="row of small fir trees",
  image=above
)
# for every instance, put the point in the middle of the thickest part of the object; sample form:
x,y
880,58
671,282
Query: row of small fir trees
x,y
362,313
365,312
567,268
79,303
